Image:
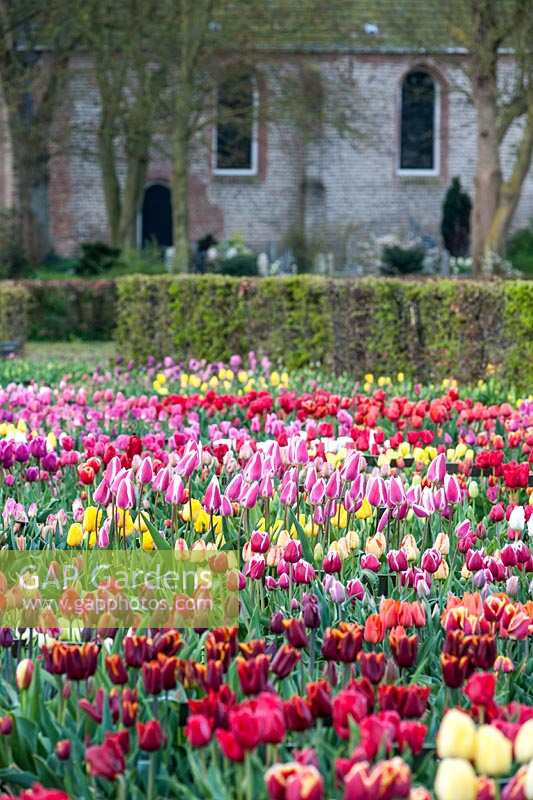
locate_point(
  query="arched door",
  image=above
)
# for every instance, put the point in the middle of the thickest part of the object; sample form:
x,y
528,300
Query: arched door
x,y
156,216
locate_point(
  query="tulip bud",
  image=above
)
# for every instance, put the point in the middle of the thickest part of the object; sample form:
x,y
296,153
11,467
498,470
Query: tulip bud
x,y
63,749
6,725
24,673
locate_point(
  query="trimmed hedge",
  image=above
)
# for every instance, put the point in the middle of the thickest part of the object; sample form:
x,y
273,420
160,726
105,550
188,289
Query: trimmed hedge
x,y
14,307
72,309
429,329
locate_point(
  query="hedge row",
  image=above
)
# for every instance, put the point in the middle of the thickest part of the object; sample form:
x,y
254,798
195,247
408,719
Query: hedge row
x,y
428,329
72,309
14,312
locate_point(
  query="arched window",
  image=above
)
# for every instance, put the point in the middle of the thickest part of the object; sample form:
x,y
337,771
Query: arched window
x,y
419,135
235,145
156,216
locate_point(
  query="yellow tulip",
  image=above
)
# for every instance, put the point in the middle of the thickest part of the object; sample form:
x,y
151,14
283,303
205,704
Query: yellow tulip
x,y
91,541
140,524
124,522
455,780
523,744
196,509
75,535
274,378
461,449
365,511
92,518
494,752
456,737
147,541
311,528
340,520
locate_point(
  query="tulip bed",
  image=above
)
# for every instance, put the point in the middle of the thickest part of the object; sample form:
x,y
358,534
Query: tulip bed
x,y
383,641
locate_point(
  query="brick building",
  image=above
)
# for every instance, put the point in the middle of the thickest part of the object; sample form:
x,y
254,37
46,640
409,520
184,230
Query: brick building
x,y
267,182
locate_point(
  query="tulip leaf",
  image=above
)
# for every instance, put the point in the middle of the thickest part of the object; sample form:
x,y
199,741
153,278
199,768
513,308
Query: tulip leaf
x,y
159,540
17,777
304,539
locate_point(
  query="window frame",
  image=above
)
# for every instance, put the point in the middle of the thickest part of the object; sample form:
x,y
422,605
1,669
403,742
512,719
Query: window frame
x,y
410,171
253,170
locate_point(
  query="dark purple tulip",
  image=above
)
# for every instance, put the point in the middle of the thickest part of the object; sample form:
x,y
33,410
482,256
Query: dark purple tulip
x,y
32,474
22,452
50,462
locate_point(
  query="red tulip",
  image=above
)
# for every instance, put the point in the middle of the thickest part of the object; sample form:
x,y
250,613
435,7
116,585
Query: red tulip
x,y
229,745
150,735
198,730
480,688
297,713
348,704
105,760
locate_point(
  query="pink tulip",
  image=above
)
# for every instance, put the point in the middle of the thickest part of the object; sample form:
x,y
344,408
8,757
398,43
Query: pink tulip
x,y
317,492
254,469
334,485
255,568
370,562
289,494
175,493
145,473
233,489
226,509
112,468
102,493
376,491
303,572
260,541
431,560
437,469
355,589
452,489
310,479
396,491
161,481
212,497
332,562
250,499
292,552
266,488
126,494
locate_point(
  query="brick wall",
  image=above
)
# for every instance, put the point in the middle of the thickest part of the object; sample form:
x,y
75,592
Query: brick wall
x,y
354,192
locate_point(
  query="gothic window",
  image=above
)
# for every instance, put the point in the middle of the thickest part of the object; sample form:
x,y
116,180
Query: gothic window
x,y
236,128
419,124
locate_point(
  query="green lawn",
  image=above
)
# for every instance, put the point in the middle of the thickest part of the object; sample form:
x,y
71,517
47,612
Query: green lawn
x,y
49,362
69,352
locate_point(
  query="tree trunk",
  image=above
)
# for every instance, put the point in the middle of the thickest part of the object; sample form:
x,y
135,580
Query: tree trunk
x,y
110,183
180,202
488,178
511,190
137,165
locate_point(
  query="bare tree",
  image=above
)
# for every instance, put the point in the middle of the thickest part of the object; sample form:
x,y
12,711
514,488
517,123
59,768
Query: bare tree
x,y
492,39
35,43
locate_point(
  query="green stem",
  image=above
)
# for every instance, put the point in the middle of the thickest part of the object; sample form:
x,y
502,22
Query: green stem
x,y
150,795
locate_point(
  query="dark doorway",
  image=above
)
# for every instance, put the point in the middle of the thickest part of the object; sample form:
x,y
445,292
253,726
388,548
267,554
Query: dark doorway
x,y
157,216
